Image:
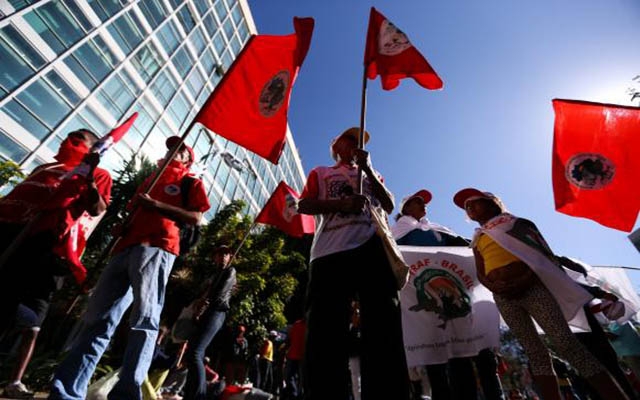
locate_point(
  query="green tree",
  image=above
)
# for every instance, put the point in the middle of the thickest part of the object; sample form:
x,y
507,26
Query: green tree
x,y
10,173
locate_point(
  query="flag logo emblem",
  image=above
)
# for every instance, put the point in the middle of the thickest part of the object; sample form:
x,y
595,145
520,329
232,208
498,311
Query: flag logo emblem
x,y
171,190
590,171
392,40
290,207
440,292
272,95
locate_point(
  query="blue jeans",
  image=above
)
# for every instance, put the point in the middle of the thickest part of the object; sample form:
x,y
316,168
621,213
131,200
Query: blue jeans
x,y
136,275
208,325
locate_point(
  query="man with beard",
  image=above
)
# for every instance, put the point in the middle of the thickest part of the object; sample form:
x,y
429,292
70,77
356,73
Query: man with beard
x,y
137,275
44,207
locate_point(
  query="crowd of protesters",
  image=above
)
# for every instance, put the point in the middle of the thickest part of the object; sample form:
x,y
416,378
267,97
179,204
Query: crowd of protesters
x,y
348,345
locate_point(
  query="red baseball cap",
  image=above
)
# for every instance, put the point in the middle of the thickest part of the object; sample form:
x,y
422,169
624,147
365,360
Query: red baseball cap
x,y
470,193
423,194
173,141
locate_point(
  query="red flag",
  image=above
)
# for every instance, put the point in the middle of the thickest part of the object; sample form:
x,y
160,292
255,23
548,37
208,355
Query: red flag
x,y
595,168
390,54
281,211
249,106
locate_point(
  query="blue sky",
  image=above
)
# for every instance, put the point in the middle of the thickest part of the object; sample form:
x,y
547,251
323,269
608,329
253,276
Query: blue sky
x,y
502,62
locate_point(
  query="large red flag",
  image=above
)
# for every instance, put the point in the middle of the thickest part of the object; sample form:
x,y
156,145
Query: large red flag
x,y
249,106
281,212
390,54
595,165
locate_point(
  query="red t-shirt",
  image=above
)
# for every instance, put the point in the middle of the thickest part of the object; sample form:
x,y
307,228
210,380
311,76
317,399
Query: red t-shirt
x,y
45,190
296,340
154,229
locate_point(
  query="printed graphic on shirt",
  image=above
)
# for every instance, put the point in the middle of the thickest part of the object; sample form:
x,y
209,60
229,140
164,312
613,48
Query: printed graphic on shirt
x,y
340,186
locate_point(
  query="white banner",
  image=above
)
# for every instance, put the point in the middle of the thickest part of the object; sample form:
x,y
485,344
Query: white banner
x,y
446,312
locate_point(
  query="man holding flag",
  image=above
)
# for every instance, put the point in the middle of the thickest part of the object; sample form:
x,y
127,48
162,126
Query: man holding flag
x,y
348,260
136,275
41,211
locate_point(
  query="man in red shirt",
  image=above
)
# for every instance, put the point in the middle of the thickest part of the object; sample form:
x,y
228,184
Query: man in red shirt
x,y
46,205
293,358
136,275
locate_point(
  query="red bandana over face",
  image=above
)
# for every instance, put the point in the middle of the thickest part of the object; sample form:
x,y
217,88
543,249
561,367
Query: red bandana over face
x,y
71,154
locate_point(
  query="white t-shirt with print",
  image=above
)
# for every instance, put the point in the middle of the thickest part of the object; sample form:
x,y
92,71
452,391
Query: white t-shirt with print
x,y
336,232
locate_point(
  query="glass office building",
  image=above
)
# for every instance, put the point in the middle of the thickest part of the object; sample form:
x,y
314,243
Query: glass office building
x,y
66,64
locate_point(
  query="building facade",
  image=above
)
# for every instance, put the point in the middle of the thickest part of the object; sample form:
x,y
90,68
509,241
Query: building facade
x,y
68,64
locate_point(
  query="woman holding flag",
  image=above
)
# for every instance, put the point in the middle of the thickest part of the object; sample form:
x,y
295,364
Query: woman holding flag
x,y
515,263
348,260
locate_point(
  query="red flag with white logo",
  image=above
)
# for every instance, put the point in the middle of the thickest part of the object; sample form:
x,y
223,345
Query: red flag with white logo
x,y
281,211
595,168
249,106
390,54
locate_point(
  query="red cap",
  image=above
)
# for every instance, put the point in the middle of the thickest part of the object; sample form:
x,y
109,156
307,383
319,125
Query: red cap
x,y
173,141
465,194
423,194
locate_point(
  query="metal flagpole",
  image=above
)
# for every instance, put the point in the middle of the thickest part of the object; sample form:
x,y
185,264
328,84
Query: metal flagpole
x,y
363,112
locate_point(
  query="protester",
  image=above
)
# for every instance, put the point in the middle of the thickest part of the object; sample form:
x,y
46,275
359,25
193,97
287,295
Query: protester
x,y
515,263
455,378
236,359
136,275
348,259
355,350
45,206
294,354
210,316
265,363
412,228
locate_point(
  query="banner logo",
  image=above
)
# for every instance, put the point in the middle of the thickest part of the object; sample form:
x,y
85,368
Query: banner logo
x,y
590,171
440,292
392,40
273,93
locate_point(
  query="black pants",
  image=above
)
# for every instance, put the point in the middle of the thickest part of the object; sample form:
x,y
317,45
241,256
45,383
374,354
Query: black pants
x,y
333,281
29,277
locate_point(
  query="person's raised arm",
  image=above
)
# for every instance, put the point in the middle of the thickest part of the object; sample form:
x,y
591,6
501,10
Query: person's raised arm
x,y
363,160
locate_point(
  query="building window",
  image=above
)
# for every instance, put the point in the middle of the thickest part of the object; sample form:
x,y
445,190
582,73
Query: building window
x,y
125,31
164,87
153,11
95,123
62,87
146,61
11,149
80,72
228,28
14,39
44,102
78,14
23,117
210,24
208,61
183,61
227,59
118,92
236,45
221,10
186,19
243,31
56,25
236,14
94,59
13,69
202,6
20,4
218,43
179,109
169,37
195,83
105,8
198,40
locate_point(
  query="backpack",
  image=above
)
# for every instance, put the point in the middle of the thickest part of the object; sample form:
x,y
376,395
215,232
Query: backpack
x,y
189,233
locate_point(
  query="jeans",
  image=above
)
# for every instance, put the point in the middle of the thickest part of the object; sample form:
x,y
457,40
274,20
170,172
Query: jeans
x,y
208,325
334,280
136,275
